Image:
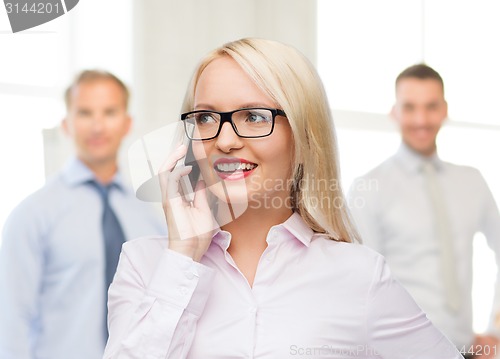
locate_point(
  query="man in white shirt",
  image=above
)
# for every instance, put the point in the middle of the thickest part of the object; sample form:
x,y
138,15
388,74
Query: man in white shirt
x,y
422,213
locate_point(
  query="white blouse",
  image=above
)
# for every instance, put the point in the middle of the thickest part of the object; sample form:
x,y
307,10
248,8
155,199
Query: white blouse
x,y
311,298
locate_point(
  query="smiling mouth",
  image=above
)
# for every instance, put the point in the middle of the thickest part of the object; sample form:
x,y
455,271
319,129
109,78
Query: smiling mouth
x,y
233,167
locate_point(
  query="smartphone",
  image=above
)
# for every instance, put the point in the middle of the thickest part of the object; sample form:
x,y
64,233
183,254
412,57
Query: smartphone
x,y
149,191
188,182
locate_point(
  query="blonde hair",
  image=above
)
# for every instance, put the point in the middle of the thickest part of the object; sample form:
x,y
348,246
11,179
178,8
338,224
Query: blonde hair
x,y
292,82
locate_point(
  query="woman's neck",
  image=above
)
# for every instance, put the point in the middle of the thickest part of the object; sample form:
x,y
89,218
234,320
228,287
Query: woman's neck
x,y
249,229
248,236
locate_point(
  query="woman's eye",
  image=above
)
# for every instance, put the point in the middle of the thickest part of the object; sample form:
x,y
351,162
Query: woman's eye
x,y
204,118
258,118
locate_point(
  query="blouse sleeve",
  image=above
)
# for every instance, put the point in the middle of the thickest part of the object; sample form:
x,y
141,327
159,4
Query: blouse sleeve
x,y
397,328
154,305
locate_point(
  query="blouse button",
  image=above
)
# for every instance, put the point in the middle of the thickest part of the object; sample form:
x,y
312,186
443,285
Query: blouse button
x,y
189,275
183,290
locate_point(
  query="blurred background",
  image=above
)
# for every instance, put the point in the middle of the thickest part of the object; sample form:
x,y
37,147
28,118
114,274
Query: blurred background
x,y
359,47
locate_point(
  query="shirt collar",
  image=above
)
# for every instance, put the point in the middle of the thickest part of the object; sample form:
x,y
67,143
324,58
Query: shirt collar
x,y
76,173
294,227
413,161
297,227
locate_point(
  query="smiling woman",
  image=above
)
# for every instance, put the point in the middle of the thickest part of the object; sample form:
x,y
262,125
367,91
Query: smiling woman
x,y
270,157
275,281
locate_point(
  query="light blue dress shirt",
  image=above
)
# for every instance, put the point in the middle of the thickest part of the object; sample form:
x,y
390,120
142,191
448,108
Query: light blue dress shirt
x,y
52,264
394,215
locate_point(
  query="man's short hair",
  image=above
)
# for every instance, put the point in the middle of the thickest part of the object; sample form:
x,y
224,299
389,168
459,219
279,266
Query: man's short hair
x,y
422,72
95,75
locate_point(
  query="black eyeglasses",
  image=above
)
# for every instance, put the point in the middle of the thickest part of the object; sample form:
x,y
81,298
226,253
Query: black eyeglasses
x,y
252,122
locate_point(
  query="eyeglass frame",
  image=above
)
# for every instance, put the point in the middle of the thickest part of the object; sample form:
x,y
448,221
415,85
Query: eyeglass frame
x,y
228,117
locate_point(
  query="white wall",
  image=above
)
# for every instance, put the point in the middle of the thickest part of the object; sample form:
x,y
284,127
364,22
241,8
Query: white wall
x,y
171,36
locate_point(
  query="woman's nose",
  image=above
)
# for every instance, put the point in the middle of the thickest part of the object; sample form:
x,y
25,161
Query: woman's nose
x,y
228,139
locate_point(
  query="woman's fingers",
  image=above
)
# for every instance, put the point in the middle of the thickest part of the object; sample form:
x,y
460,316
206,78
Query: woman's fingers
x,y
190,225
200,198
171,196
165,173
171,161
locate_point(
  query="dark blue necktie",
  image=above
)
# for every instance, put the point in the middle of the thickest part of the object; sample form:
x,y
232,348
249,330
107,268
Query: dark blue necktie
x,y
113,239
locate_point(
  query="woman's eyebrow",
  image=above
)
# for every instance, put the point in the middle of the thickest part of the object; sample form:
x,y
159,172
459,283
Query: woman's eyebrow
x,y
203,106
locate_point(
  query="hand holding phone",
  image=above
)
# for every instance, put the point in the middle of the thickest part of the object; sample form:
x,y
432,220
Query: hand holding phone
x,y
190,227
149,191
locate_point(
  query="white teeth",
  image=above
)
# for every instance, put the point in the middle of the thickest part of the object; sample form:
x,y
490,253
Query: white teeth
x,y
234,166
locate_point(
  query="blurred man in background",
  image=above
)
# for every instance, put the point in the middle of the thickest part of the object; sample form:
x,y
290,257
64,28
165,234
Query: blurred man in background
x,y
421,213
60,246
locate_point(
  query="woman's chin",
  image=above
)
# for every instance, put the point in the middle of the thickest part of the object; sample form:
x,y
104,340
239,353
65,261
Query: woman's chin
x,y
230,191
